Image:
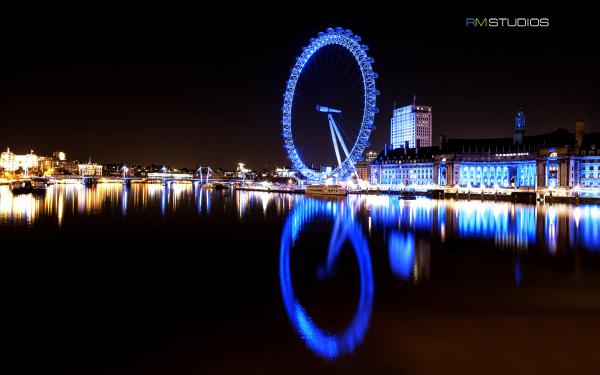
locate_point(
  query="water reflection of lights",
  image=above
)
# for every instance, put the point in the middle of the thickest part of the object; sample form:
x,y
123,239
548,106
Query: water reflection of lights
x,y
553,227
327,345
163,199
20,208
551,230
252,199
587,228
60,209
178,192
207,202
402,254
124,200
507,225
75,199
409,257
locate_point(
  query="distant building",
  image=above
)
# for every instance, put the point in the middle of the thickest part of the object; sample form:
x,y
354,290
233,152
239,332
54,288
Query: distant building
x,y
59,156
363,167
370,156
411,124
12,162
137,171
113,169
46,163
89,169
284,172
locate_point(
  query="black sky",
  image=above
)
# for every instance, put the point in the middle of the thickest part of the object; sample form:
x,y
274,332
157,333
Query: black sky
x,y
205,88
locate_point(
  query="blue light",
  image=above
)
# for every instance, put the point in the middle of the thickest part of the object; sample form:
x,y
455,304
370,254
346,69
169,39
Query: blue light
x,y
494,174
163,200
402,254
124,200
585,227
325,344
520,120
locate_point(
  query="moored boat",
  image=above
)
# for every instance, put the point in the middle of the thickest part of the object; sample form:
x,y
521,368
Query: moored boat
x,y
39,185
20,187
28,186
320,189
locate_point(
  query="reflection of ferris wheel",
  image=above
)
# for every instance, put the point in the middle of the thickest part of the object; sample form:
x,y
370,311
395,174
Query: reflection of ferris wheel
x,y
332,79
327,344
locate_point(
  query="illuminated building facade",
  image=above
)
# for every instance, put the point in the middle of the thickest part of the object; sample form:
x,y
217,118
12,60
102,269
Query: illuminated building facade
x,y
411,124
284,172
561,160
11,162
584,168
405,167
91,170
45,163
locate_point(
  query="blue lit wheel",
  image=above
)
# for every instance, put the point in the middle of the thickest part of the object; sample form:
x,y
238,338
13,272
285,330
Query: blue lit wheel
x,y
329,98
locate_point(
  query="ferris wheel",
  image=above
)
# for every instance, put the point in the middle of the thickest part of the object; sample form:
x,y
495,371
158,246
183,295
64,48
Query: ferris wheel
x,y
329,106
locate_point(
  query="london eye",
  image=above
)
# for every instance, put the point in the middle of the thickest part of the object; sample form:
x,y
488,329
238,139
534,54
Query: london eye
x,y
329,106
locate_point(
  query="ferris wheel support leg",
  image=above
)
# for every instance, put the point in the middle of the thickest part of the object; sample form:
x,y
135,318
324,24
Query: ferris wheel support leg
x,y
335,146
337,132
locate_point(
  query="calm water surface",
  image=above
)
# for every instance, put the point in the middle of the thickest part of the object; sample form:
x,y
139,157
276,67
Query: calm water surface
x,y
156,280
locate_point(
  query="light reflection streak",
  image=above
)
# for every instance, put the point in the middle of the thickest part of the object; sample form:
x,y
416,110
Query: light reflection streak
x,y
124,195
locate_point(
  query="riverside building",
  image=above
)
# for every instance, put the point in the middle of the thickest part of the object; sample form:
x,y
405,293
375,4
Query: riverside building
x,y
561,161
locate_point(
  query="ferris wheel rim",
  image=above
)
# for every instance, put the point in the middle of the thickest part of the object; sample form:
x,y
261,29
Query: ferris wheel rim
x,y
350,42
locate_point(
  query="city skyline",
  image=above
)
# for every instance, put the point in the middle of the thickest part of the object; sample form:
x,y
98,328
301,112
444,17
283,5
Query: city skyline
x,y
182,97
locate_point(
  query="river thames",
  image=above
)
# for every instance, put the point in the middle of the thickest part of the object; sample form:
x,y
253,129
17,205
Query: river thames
x,y
182,279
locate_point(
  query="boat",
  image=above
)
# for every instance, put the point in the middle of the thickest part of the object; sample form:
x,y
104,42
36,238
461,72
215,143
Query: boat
x,y
35,186
39,185
335,190
20,187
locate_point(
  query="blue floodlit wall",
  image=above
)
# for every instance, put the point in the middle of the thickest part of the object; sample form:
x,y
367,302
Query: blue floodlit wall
x,y
483,174
583,173
407,174
589,172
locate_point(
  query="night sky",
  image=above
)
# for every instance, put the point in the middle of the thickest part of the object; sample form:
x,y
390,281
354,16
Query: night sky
x,y
189,89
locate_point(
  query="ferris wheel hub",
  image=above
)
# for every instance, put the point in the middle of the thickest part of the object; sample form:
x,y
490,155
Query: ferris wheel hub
x,y
321,108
